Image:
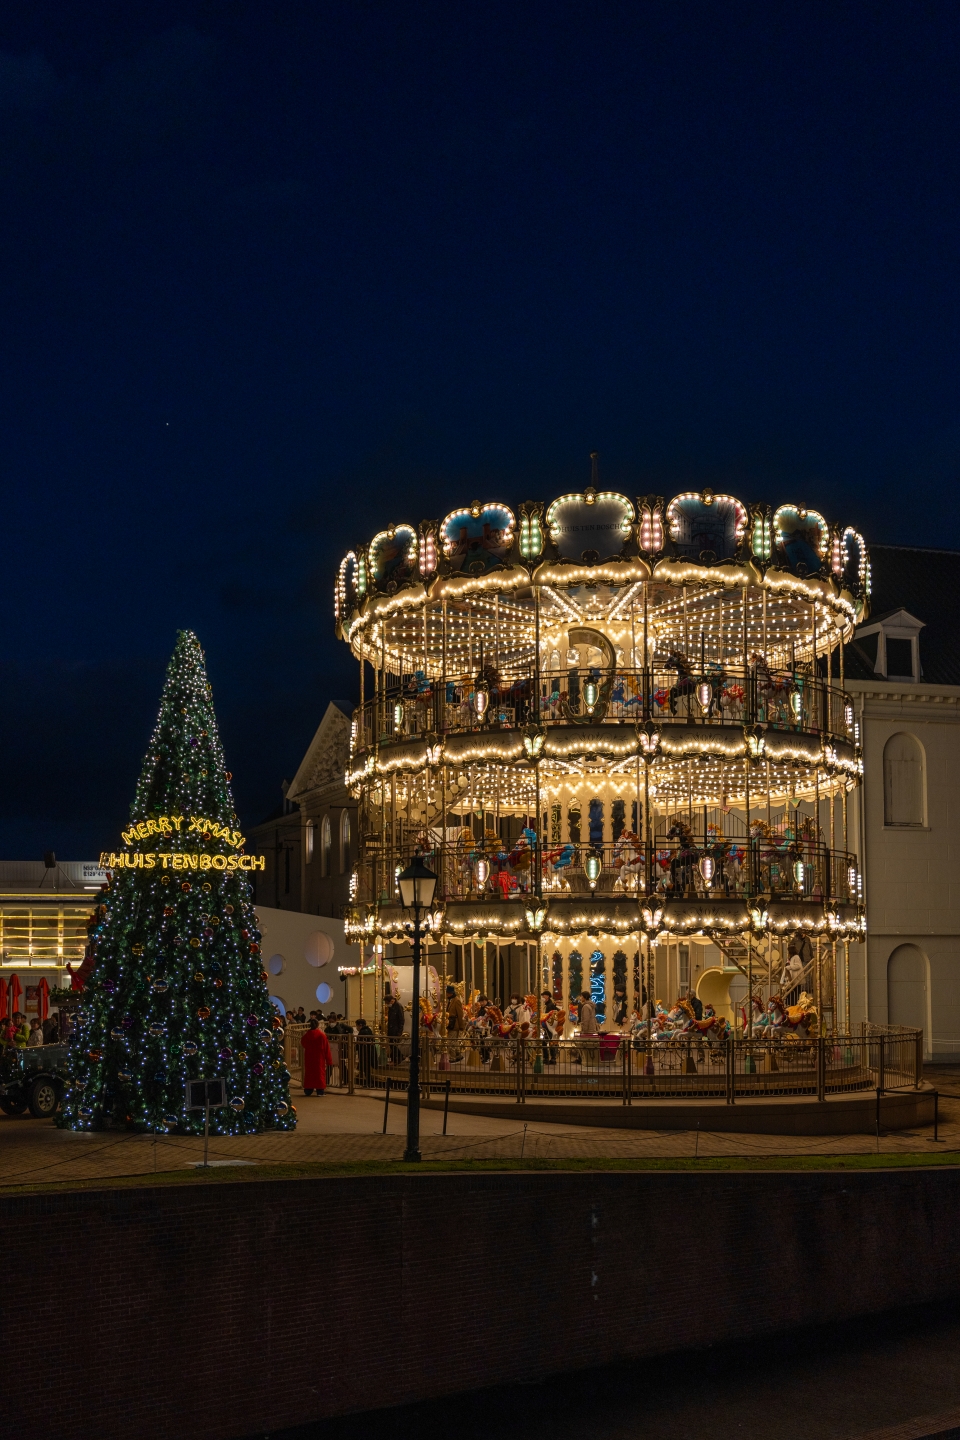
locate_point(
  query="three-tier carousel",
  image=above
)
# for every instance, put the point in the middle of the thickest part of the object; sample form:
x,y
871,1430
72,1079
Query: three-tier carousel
x,y
617,730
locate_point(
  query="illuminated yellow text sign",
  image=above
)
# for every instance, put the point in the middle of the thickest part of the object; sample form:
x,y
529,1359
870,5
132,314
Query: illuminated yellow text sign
x,y
178,860
182,825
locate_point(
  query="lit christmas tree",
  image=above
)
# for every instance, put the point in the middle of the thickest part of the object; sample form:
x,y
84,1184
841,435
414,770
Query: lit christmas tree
x,y
176,989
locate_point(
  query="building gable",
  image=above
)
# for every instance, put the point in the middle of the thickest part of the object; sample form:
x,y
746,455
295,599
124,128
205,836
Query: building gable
x,y
324,765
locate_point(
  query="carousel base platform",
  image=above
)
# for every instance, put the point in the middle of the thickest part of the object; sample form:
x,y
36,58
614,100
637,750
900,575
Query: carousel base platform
x,y
845,1114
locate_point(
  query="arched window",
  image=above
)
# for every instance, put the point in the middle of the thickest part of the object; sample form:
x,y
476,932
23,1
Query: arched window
x,y
344,841
907,987
902,781
326,845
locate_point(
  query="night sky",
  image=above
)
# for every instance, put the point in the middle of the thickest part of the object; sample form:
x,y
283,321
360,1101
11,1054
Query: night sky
x,y
276,274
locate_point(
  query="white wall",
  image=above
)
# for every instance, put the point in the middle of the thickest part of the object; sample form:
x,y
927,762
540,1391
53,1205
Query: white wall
x,y
912,875
287,934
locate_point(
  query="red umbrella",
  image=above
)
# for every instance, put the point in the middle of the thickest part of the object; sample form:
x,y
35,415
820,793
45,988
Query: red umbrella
x,y
14,991
3,998
43,998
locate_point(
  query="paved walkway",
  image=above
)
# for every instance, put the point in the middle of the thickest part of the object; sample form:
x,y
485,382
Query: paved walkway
x,y
341,1128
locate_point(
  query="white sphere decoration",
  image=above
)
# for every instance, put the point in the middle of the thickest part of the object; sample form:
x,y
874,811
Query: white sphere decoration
x,y
319,949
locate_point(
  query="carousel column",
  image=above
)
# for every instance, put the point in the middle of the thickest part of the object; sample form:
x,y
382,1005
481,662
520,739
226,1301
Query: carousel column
x,y
565,982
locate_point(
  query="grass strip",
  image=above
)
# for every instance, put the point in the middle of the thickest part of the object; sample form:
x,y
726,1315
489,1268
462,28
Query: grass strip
x,y
321,1170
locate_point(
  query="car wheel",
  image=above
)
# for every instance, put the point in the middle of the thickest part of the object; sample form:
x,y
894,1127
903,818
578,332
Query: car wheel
x,y
11,1106
44,1099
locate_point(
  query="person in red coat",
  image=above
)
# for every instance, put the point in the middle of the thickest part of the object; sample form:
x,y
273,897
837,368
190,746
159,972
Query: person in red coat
x,y
316,1058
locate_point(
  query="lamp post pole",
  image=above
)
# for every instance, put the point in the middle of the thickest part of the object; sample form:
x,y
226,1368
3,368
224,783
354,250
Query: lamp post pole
x,y
417,885
412,1151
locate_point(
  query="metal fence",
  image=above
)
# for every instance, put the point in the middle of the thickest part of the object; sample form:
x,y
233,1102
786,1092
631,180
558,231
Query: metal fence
x,y
778,867
630,1068
710,694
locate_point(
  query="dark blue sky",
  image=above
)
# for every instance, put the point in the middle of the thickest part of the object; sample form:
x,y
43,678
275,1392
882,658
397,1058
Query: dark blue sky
x,y
274,274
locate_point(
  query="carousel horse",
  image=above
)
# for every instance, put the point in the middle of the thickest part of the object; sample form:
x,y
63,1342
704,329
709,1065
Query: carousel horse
x,y
552,1024
685,857
679,1021
716,677
559,859
795,1022
628,854
733,695
760,1016
553,701
522,853
470,850
712,1028
719,850
733,869
428,1016
686,680
776,689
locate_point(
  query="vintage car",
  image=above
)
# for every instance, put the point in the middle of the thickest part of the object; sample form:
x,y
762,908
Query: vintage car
x,y
33,1079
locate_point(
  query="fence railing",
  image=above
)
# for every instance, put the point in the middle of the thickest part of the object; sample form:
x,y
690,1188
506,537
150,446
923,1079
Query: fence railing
x,y
634,1067
710,694
677,869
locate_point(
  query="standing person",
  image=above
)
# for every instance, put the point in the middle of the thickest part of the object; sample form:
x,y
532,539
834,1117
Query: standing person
x,y
484,1027
696,1004
456,1022
365,1044
551,1026
316,1059
22,1030
51,1029
799,955
588,1028
394,1025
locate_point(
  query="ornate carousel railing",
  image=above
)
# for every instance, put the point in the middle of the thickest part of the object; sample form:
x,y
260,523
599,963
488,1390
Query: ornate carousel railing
x,y
782,700
669,869
638,1066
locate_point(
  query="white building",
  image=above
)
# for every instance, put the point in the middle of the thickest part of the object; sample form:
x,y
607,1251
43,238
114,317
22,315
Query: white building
x,y
903,670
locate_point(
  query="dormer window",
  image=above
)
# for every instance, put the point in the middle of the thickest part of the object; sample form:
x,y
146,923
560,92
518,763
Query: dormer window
x,y
891,643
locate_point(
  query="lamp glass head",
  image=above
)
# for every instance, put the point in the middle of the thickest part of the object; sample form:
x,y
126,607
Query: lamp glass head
x,y
417,885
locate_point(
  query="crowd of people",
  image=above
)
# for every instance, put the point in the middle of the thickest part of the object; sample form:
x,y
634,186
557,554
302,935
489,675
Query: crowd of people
x,y
317,1061
17,1032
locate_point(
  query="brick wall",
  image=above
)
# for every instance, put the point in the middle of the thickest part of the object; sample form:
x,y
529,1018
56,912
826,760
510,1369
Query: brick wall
x,y
230,1310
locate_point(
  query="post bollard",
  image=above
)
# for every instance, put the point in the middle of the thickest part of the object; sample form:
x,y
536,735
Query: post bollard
x,y
386,1105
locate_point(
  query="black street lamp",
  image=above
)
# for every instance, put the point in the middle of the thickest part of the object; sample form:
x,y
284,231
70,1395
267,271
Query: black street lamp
x,y
417,885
